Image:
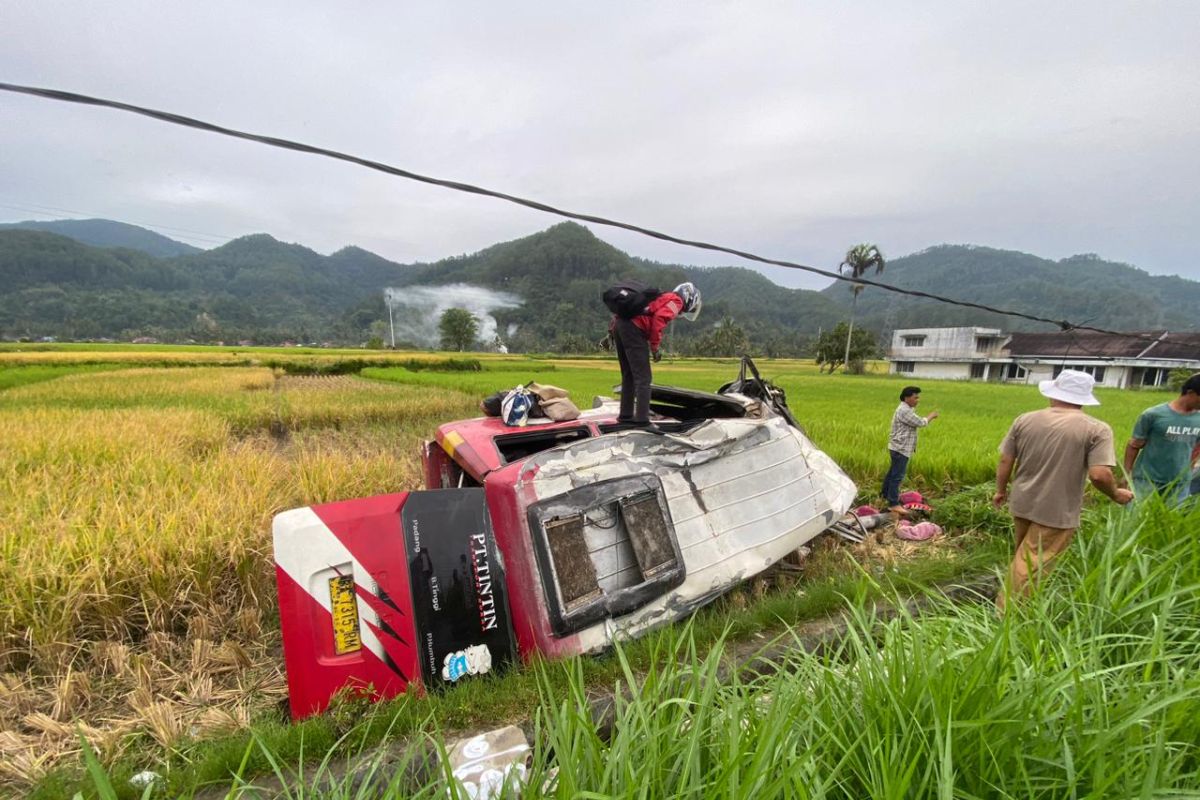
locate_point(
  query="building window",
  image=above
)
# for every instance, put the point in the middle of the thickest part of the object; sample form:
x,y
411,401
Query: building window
x,y
983,344
905,366
1015,372
1097,372
1153,376
913,341
978,370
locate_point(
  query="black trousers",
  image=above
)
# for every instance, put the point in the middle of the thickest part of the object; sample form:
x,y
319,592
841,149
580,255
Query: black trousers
x,y
633,354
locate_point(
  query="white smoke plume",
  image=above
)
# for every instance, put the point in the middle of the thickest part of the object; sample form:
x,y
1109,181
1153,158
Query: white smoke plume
x,y
416,310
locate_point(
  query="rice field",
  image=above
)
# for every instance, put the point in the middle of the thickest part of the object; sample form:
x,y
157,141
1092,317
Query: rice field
x,y
136,584
847,416
137,488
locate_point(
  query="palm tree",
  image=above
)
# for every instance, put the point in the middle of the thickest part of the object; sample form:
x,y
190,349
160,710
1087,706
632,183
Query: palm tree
x,y
728,338
859,259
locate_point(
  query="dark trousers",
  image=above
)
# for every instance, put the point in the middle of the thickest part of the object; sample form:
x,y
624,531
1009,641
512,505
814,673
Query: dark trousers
x,y
633,354
894,477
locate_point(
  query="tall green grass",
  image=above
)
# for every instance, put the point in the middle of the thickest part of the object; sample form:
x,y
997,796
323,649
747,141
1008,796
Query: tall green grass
x,y
1089,689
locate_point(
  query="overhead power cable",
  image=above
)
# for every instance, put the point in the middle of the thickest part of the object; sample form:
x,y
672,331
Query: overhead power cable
x,y
300,147
56,212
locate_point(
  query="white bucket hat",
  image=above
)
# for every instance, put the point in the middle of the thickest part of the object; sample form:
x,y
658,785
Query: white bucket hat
x,y
1071,386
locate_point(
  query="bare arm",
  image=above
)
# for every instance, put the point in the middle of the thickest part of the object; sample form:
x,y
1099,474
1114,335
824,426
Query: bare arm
x,y
1131,453
1102,478
1003,475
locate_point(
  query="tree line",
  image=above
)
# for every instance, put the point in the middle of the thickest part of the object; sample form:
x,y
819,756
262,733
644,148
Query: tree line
x,y
459,330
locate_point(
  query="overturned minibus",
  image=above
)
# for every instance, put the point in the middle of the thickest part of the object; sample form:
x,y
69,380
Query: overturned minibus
x,y
554,539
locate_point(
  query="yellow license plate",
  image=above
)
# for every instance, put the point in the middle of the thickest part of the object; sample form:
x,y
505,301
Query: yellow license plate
x,y
344,605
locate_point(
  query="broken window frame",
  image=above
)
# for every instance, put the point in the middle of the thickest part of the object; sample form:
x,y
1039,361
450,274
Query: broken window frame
x,y
556,437
567,616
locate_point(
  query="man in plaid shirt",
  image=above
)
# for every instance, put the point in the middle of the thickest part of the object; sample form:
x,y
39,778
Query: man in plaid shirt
x,y
902,443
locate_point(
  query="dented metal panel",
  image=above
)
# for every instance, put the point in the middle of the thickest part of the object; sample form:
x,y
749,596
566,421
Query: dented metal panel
x,y
740,494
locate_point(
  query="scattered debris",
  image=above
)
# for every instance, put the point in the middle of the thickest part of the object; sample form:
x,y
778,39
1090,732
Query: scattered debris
x,y
144,779
487,764
849,528
918,531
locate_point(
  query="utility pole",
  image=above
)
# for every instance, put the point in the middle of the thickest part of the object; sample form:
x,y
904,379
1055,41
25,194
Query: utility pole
x,y
391,322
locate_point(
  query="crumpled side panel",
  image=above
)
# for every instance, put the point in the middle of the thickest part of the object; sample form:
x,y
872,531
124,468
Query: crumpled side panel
x,y
742,494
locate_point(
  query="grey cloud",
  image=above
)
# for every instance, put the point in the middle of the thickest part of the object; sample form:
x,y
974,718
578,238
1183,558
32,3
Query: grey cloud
x,y
789,129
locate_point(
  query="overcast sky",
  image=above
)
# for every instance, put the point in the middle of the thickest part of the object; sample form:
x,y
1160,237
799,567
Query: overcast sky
x,y
790,129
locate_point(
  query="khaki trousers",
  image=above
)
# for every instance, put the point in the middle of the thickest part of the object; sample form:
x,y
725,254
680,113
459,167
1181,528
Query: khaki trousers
x,y
1037,547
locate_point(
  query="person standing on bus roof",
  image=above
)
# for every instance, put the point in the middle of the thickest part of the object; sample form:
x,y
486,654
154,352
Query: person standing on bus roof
x,y
638,339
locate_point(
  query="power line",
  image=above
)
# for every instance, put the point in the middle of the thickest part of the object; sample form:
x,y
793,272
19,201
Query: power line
x,y
42,208
287,144
55,213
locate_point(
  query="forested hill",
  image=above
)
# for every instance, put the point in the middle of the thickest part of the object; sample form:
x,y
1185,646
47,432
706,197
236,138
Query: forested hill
x,y
259,288
106,233
561,272
268,291
251,288
1082,289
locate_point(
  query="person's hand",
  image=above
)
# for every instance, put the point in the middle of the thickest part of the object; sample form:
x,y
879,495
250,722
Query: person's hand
x,y
657,355
1000,498
1122,497
932,416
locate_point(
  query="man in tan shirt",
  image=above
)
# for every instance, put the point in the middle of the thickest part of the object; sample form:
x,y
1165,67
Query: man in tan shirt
x,y
1055,450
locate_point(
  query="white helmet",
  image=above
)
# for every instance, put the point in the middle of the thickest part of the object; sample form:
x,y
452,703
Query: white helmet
x,y
691,300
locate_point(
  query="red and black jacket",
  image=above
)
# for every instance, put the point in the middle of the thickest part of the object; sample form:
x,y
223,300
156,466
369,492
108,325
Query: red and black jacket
x,y
659,313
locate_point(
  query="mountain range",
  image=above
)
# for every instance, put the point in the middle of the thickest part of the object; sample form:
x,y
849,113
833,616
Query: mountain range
x,y
77,279
106,233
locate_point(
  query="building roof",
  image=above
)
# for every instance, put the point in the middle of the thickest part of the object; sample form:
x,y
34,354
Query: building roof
x,y
1177,345
1089,344
973,328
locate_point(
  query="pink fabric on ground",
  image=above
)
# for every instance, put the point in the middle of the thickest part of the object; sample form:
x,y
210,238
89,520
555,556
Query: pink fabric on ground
x,y
919,532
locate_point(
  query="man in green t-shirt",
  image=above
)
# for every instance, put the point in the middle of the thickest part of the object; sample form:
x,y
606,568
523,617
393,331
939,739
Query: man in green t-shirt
x,y
1159,454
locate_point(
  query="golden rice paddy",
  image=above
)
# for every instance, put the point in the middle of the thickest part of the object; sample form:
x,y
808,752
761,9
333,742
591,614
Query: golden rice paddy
x,y
136,585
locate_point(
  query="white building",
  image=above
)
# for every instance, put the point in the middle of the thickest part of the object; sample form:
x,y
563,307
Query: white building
x,y
1143,358
946,353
